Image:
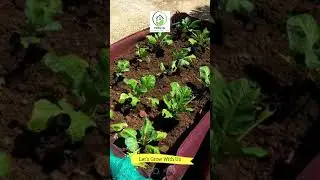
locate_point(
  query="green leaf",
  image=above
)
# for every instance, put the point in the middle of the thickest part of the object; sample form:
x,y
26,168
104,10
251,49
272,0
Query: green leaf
x,y
123,66
132,83
152,149
132,144
192,41
152,40
42,111
128,132
124,97
304,38
154,102
166,113
112,114
54,26
70,66
5,166
205,74
162,67
238,6
160,136
118,126
148,82
134,101
146,131
26,41
255,151
234,106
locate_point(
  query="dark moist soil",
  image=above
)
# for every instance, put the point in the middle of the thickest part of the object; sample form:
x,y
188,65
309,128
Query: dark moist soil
x,y
257,49
45,155
187,77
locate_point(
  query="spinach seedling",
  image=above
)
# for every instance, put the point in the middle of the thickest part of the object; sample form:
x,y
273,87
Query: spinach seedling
x,y
137,89
159,39
177,100
304,38
43,110
182,58
200,38
142,53
205,75
40,19
122,66
229,127
187,25
140,140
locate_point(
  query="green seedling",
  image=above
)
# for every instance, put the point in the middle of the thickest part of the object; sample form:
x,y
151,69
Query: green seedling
x,y
177,100
205,75
182,58
142,53
5,166
304,38
122,66
187,25
159,39
40,19
112,114
200,38
89,83
118,127
140,140
137,89
43,110
234,112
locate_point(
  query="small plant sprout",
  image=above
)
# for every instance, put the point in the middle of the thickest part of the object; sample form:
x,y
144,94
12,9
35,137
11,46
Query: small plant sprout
x,y
181,58
205,75
118,127
142,53
112,114
154,102
159,39
187,25
137,89
140,140
177,100
200,38
122,66
40,18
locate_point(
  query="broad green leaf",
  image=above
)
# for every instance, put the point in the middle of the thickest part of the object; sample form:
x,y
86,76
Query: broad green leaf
x,y
192,41
152,149
132,83
152,40
42,111
148,82
128,132
123,97
166,113
112,115
118,126
123,66
5,165
132,144
154,102
160,135
134,101
234,106
146,131
71,66
304,38
255,151
205,74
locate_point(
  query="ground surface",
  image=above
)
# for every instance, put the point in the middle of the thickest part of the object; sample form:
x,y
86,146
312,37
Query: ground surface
x,y
127,18
84,33
256,49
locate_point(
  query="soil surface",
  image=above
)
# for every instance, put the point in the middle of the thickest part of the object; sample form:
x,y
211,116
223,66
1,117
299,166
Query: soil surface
x,y
178,128
25,80
257,48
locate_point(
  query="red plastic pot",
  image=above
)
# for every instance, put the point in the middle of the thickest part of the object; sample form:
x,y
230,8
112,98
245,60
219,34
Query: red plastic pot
x,y
193,141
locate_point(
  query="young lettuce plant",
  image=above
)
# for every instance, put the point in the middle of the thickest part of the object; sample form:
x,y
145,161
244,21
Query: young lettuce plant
x,y
177,100
205,75
304,38
140,140
40,19
137,89
200,38
187,25
159,39
182,58
122,66
234,115
142,53
43,110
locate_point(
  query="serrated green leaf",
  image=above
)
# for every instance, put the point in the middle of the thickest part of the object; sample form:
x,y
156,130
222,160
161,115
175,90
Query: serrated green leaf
x,y
132,144
152,149
160,135
152,40
148,82
134,101
42,111
128,132
166,113
5,165
123,97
